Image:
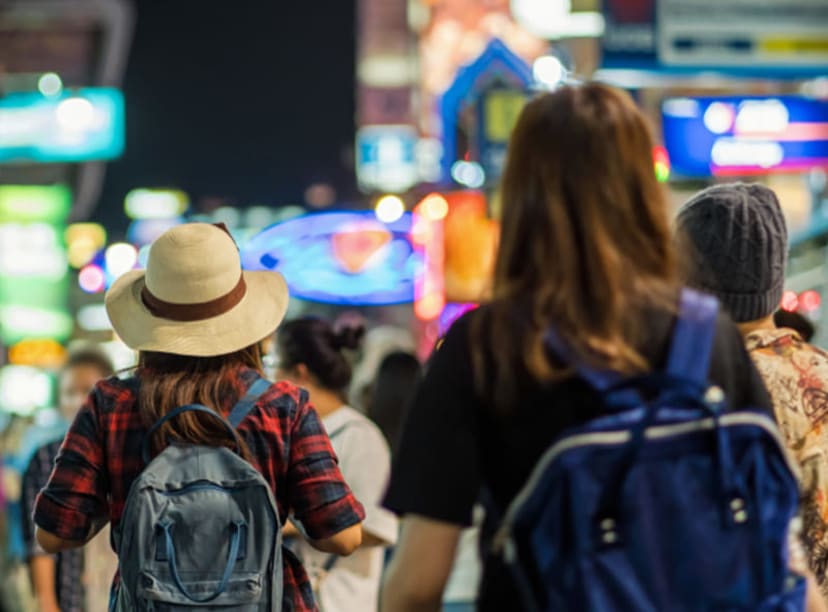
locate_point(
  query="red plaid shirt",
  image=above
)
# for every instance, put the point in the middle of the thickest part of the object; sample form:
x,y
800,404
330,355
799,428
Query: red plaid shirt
x,y
101,457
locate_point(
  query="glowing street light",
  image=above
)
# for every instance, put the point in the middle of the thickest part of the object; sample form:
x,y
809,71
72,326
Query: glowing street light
x,y
389,208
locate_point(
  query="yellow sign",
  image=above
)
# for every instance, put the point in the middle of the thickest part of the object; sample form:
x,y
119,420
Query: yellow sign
x,y
39,353
83,241
502,109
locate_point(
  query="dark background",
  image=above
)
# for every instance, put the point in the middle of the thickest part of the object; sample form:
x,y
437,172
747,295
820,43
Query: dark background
x,y
246,102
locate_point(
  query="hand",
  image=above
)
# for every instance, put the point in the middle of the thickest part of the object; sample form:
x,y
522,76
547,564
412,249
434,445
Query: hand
x,y
50,605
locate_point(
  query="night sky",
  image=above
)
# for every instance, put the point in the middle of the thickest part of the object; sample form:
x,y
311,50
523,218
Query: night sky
x,y
251,100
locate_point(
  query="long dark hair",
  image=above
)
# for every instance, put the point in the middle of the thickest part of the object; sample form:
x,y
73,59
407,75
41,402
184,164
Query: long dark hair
x,y
314,343
585,239
168,381
396,380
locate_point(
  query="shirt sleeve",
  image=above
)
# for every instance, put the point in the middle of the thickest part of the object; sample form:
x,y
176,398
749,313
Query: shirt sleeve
x,y
366,465
34,479
436,472
76,492
317,492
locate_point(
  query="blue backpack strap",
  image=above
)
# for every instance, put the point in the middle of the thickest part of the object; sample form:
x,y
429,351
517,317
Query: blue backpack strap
x,y
174,413
245,404
692,343
600,380
604,382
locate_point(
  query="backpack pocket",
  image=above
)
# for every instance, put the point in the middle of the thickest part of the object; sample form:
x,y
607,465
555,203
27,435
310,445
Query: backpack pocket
x,y
158,592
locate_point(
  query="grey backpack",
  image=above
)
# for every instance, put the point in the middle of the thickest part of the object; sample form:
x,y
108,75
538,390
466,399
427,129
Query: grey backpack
x,y
200,529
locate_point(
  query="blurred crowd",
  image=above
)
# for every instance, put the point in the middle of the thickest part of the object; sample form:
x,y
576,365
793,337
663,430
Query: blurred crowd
x,y
375,372
588,260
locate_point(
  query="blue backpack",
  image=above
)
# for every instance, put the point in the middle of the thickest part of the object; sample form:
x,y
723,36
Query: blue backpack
x,y
200,529
668,503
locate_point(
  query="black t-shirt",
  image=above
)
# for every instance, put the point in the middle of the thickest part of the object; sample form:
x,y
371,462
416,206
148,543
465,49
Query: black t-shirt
x,y
454,442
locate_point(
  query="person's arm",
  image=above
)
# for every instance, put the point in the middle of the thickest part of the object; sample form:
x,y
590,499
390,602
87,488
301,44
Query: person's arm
x,y
54,544
335,545
429,546
435,477
342,543
42,568
317,493
814,601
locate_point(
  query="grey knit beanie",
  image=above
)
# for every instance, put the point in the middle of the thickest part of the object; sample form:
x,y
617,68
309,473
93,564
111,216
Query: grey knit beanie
x,y
735,243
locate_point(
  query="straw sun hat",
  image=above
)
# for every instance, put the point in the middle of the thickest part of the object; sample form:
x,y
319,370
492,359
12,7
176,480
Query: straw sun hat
x,y
194,299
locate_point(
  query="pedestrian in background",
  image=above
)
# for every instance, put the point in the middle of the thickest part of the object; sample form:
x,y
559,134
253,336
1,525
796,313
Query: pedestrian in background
x,y
59,580
311,354
735,241
391,391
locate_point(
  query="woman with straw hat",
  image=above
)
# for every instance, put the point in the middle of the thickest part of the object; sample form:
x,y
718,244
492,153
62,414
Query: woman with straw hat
x,y
196,320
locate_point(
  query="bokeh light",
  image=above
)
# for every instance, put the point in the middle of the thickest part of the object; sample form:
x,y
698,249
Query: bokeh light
x,y
662,164
468,174
429,306
790,301
75,114
548,71
810,301
50,84
389,208
156,203
434,207
83,240
92,279
120,258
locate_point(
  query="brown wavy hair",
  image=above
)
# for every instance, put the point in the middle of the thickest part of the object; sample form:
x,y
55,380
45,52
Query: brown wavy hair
x,y
168,381
585,240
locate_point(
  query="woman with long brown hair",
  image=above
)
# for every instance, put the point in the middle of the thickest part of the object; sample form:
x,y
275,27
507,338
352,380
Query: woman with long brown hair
x,y
197,320
585,249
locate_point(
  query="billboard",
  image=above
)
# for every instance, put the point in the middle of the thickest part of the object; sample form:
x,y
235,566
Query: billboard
x,y
743,33
780,38
716,136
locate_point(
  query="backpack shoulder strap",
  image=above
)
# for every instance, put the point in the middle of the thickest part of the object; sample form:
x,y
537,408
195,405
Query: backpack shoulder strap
x,y
600,380
245,404
692,342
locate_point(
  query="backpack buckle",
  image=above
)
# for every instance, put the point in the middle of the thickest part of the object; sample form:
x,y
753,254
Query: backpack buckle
x,y
608,535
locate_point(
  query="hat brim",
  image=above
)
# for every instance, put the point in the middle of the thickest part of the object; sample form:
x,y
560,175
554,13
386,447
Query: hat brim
x,y
255,317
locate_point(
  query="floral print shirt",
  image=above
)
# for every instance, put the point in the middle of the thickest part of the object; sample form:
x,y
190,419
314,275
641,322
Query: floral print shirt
x,y
796,375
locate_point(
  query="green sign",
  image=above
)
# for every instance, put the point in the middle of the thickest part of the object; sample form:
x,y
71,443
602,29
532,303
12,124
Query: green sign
x,y
34,274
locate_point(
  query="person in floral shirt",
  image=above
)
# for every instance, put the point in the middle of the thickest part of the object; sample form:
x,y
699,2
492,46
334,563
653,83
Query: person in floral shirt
x,y
735,241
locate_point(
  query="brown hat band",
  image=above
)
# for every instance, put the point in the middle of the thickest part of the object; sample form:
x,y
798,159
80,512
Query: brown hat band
x,y
194,312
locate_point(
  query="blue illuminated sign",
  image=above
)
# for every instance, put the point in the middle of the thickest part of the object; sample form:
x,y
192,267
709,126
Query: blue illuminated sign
x,y
745,135
86,124
499,69
386,157
339,258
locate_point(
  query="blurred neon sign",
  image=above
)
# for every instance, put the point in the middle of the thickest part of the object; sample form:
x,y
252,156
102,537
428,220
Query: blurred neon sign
x,y
79,126
745,135
34,269
339,257
24,389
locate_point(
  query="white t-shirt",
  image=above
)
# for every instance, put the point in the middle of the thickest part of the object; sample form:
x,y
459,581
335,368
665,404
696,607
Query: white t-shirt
x,y
353,583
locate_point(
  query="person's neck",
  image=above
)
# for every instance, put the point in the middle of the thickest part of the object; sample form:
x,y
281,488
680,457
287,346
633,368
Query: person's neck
x,y
758,325
325,401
